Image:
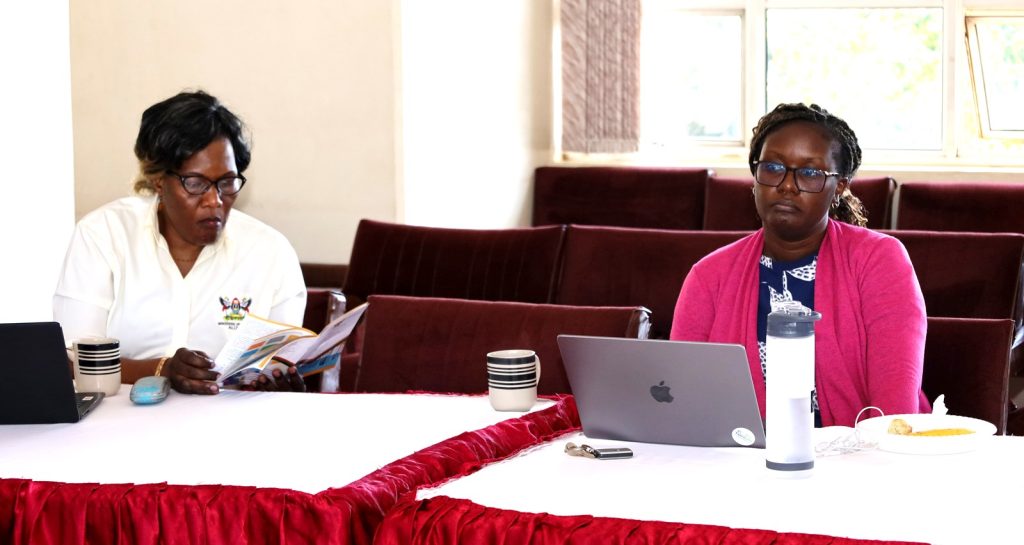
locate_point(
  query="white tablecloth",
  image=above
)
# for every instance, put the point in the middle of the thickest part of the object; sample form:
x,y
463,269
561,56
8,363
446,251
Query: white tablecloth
x,y
969,498
305,442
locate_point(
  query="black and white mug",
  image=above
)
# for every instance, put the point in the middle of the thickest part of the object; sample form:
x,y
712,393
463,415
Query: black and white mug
x,y
512,377
98,365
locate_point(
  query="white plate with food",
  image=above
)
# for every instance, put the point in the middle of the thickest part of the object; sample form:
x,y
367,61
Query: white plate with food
x,y
926,433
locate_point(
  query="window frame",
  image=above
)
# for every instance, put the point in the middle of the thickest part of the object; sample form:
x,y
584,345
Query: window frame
x,y
955,68
978,74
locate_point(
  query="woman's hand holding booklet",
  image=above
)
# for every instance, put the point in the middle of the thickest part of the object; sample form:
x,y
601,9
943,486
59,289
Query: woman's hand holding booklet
x,y
260,346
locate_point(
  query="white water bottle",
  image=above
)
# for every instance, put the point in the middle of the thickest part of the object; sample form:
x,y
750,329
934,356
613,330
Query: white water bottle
x,y
789,388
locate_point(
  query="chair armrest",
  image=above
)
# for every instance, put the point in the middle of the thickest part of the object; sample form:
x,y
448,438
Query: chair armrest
x,y
640,324
322,306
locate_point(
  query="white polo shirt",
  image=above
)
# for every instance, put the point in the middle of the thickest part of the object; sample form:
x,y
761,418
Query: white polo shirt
x,y
119,281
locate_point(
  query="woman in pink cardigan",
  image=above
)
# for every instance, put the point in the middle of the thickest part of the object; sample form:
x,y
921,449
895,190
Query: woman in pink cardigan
x,y
869,344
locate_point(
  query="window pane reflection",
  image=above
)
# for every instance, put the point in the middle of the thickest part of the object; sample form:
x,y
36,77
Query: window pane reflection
x,y
878,68
1001,52
690,78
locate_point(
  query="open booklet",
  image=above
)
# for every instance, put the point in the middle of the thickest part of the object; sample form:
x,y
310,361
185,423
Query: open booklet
x,y
260,346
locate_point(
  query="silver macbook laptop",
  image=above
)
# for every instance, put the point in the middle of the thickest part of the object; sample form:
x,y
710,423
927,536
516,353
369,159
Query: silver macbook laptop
x,y
35,377
678,393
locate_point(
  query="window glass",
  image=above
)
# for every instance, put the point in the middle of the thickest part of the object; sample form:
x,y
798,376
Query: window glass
x,y
691,72
887,70
843,60
998,50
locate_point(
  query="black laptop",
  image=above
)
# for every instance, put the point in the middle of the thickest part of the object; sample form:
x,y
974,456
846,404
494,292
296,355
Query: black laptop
x,y
35,377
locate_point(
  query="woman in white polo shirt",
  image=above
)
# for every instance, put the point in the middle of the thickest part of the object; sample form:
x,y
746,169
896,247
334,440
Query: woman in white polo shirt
x,y
164,271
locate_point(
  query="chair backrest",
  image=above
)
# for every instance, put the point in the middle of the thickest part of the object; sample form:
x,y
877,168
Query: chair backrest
x,y
324,275
486,264
961,206
440,345
661,198
968,360
967,275
627,267
876,194
729,203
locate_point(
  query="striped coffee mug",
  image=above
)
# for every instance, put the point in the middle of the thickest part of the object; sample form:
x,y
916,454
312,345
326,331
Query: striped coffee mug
x,y
98,365
512,377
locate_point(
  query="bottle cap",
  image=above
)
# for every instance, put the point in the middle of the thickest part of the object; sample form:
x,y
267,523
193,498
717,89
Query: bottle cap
x,y
792,320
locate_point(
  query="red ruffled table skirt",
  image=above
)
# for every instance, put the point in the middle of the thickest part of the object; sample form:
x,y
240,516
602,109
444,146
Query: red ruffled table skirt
x,y
39,513
443,521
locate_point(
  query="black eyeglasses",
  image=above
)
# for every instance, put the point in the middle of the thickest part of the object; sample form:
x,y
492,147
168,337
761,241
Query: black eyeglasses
x,y
807,179
195,184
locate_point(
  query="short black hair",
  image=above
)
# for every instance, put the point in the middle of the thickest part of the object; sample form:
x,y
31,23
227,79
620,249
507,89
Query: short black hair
x,y
176,128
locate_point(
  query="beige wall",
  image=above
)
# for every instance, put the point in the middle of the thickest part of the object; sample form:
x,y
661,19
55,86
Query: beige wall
x,y
314,79
427,112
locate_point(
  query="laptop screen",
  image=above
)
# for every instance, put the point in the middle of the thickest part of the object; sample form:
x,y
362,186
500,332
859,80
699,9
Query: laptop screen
x,y
680,393
37,386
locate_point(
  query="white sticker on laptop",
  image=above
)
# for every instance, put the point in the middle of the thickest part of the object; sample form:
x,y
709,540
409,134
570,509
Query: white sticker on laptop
x,y
743,436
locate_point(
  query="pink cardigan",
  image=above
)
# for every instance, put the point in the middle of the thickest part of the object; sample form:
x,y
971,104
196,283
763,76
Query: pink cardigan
x,y
869,344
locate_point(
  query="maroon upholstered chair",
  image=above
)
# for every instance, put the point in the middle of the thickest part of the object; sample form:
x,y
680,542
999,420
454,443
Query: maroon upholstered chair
x,y
729,203
661,198
324,275
961,206
627,267
1015,421
485,264
971,275
496,264
990,207
967,275
440,345
322,306
968,360
876,194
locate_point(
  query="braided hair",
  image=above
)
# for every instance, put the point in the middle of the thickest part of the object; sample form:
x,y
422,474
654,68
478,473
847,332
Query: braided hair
x,y
847,208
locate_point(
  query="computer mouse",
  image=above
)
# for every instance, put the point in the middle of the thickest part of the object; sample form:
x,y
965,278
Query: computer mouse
x,y
149,390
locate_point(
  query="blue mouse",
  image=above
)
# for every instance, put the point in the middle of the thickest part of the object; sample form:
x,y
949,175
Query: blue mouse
x,y
149,390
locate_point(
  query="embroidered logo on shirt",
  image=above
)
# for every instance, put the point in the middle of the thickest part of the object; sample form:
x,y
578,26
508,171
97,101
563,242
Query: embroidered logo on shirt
x,y
234,310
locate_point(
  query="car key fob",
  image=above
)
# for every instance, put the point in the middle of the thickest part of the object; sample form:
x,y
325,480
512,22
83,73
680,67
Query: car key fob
x,y
612,453
588,451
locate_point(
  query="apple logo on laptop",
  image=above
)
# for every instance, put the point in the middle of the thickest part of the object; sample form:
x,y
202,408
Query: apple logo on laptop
x,y
660,393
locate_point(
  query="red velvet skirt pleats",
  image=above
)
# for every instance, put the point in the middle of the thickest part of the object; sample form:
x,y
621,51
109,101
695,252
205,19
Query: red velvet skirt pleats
x,y
43,513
